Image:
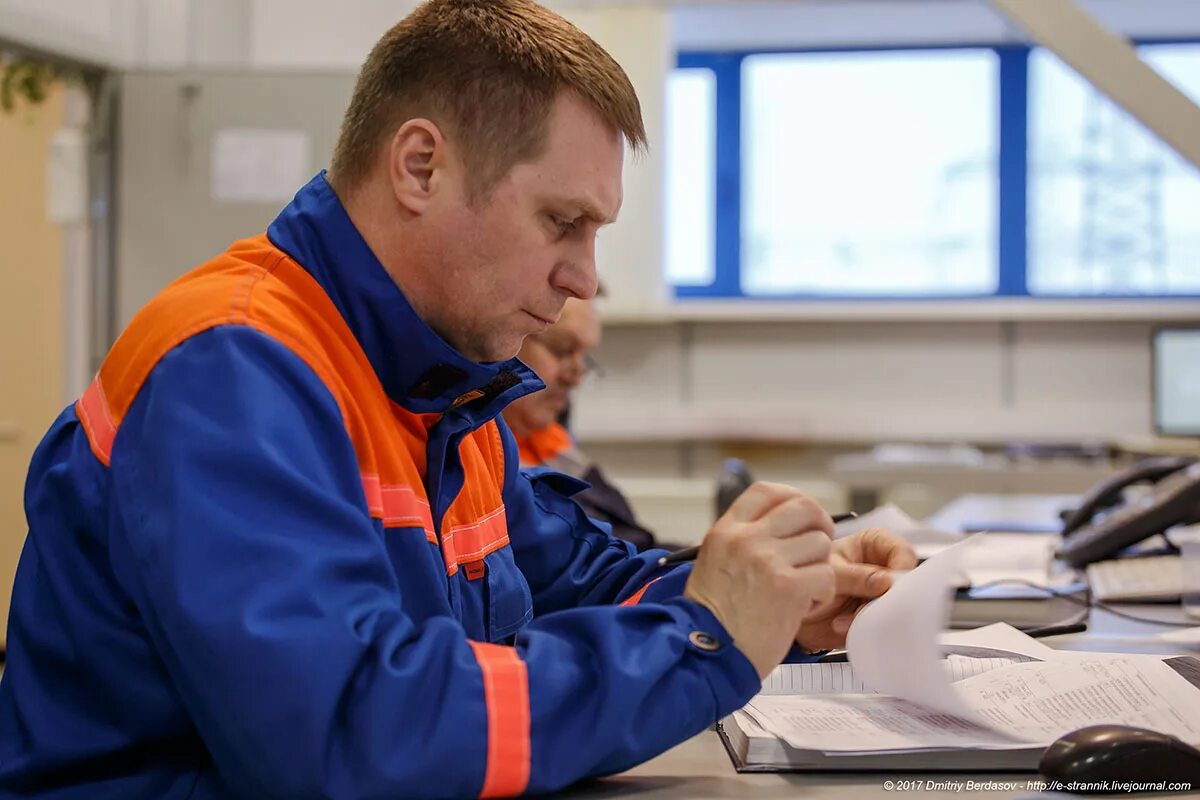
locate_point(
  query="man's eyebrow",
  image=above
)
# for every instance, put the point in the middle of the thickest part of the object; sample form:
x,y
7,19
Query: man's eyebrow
x,y
586,209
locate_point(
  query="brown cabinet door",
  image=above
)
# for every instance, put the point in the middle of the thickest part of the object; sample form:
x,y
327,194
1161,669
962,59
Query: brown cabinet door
x,y
31,316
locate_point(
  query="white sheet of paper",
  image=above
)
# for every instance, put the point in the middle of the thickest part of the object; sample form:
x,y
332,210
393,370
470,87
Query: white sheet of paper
x,y
1040,700
865,722
984,702
1021,705
1000,556
251,165
893,643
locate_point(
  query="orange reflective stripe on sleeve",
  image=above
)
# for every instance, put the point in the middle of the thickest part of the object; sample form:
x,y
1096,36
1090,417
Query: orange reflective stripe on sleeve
x,y
397,506
636,597
506,693
473,541
92,411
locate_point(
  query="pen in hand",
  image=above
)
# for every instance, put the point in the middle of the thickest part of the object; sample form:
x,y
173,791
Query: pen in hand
x,y
690,553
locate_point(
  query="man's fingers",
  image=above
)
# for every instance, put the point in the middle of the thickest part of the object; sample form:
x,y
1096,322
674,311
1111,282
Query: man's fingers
x,y
860,580
756,501
887,549
842,622
821,583
812,547
795,515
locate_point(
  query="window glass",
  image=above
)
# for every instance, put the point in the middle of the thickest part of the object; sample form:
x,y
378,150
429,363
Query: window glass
x,y
870,173
691,160
1112,210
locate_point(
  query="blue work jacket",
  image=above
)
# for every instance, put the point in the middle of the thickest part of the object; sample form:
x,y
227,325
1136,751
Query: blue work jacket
x,y
281,547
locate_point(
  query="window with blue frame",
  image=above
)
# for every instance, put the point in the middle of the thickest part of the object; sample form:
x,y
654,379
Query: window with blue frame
x,y
1112,210
935,172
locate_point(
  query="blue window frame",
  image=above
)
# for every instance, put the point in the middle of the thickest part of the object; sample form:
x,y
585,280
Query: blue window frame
x,y
951,220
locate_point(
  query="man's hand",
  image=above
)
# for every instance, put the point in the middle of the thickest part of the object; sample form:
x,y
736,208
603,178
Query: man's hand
x,y
862,566
763,568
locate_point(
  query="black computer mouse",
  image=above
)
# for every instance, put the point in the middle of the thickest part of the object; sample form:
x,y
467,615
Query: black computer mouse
x,y
1120,753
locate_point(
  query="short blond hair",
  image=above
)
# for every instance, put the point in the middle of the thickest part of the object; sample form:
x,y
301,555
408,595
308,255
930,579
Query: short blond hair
x,y
487,72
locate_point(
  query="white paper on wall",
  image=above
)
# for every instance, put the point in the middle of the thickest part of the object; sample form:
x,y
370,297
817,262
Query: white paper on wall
x,y
251,165
67,177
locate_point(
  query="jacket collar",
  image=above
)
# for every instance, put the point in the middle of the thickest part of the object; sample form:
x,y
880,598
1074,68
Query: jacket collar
x,y
417,368
544,445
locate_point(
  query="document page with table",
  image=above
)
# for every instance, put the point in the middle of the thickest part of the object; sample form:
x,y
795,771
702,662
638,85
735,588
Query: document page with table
x,y
913,698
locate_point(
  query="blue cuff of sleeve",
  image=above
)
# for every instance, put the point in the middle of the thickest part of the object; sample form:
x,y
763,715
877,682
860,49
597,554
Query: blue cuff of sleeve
x,y
732,677
670,585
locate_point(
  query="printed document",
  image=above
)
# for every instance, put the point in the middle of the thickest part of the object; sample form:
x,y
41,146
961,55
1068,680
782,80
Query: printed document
x,y
908,687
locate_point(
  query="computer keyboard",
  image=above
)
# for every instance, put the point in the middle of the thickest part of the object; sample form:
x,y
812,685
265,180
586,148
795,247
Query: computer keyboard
x,y
1148,579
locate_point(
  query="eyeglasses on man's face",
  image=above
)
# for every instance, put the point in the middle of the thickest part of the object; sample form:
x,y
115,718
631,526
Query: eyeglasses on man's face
x,y
569,355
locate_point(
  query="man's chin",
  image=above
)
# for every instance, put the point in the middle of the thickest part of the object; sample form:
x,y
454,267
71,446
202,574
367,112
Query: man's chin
x,y
494,351
548,421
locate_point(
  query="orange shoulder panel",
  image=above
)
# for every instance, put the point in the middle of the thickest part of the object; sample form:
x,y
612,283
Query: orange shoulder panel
x,y
255,284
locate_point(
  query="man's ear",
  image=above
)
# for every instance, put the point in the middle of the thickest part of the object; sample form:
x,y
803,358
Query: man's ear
x,y
416,159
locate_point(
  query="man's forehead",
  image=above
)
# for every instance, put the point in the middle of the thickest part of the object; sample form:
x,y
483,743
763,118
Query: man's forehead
x,y
583,161
570,195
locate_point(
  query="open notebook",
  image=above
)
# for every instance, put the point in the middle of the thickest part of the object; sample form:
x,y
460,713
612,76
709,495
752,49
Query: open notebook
x,y
993,702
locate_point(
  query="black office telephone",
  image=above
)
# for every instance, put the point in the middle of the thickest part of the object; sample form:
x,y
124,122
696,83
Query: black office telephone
x,y
1173,500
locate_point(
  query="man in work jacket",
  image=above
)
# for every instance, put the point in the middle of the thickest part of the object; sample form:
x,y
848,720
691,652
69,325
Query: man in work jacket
x,y
561,357
281,548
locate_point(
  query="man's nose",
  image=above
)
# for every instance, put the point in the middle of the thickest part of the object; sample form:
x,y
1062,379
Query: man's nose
x,y
571,369
576,276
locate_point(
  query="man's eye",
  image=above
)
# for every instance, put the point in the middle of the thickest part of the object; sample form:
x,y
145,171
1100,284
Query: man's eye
x,y
565,226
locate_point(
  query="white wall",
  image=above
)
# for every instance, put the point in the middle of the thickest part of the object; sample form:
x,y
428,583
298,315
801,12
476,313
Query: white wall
x,y
863,381
158,34
315,34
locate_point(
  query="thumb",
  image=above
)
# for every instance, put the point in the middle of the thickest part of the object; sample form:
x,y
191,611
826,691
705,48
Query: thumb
x,y
861,580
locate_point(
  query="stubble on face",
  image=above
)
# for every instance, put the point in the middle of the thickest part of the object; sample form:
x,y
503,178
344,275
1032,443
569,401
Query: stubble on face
x,y
496,269
472,273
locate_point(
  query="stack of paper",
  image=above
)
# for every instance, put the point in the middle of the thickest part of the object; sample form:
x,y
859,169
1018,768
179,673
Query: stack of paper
x,y
995,702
